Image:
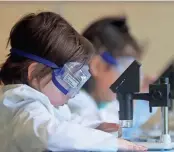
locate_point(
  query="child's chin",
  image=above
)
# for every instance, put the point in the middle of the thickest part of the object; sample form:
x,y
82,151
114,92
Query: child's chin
x,y
112,96
60,102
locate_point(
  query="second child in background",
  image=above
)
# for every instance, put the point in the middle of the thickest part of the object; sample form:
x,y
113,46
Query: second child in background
x,y
117,49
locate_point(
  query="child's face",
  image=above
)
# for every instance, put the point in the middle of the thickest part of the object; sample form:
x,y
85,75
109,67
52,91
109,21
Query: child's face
x,y
105,75
47,87
56,97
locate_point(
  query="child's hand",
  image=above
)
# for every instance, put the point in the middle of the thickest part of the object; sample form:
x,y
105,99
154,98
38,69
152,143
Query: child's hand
x,y
129,146
108,127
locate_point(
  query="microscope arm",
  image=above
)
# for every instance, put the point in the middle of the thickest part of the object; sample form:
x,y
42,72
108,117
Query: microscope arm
x,y
141,96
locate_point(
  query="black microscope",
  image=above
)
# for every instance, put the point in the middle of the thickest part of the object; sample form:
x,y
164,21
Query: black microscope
x,y
161,93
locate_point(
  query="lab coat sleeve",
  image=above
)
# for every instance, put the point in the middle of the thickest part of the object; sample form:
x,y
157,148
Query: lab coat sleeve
x,y
87,118
84,110
35,128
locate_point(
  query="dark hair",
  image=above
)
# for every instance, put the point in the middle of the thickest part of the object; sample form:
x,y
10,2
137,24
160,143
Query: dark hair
x,y
46,35
110,34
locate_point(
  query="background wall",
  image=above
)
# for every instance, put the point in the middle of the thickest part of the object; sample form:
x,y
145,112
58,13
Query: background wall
x,y
148,20
152,21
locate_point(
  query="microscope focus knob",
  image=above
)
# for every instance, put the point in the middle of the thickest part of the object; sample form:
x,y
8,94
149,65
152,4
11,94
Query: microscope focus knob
x,y
157,95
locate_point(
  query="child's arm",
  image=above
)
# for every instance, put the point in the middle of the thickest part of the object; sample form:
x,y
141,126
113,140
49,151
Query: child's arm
x,y
87,118
35,128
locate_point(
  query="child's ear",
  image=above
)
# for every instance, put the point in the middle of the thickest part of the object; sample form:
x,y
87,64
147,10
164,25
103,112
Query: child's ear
x,y
96,66
31,68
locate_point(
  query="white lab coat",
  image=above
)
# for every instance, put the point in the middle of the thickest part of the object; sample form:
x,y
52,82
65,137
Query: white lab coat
x,y
84,104
29,123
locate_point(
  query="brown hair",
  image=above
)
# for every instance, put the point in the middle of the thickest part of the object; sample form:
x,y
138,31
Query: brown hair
x,y
112,34
46,35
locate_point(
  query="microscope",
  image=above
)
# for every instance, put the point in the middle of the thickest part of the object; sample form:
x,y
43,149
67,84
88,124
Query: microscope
x,y
161,93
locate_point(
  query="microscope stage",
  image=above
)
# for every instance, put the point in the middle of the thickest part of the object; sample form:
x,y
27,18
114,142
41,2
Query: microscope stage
x,y
154,146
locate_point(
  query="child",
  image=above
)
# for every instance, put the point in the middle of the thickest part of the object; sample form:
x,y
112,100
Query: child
x,y
47,65
117,49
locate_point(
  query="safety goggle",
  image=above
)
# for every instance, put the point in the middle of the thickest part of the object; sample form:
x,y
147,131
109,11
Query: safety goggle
x,y
68,79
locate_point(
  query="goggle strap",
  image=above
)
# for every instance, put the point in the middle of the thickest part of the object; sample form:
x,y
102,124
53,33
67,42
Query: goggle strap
x,y
58,85
35,58
107,57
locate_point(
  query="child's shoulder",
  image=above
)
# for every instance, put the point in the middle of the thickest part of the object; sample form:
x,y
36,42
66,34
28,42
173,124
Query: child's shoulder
x,y
23,94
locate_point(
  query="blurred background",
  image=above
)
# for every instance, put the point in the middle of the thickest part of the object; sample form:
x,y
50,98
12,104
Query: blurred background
x,y
152,23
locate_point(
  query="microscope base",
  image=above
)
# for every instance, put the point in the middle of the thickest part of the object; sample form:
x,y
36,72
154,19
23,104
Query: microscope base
x,y
153,146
